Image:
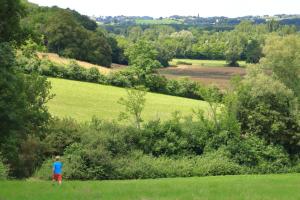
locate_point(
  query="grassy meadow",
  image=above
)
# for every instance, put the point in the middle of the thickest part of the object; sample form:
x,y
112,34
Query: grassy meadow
x,y
254,187
82,101
206,63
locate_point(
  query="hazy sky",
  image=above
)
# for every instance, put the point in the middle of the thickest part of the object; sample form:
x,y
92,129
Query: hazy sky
x,y
157,8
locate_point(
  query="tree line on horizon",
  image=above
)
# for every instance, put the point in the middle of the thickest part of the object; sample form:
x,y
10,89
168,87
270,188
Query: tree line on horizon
x,y
73,35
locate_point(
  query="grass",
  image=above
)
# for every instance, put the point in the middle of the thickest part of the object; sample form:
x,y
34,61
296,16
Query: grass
x,y
206,63
250,187
82,101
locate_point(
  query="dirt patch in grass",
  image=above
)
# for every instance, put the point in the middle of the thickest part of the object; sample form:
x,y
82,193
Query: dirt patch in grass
x,y
219,76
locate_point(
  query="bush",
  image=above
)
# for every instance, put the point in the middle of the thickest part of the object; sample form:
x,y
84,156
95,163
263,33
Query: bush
x,y
296,168
50,69
268,109
215,164
175,148
165,138
256,154
126,78
3,169
93,75
61,134
45,171
156,83
140,166
183,88
76,72
73,163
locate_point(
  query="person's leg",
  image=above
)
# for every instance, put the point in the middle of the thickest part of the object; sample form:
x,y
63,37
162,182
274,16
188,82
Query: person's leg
x,y
53,178
60,179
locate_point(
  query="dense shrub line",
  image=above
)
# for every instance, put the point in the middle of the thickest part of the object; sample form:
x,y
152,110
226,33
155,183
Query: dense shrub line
x,y
173,148
140,166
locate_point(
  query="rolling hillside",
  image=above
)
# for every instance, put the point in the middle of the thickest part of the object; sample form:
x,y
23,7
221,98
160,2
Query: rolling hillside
x,y
82,101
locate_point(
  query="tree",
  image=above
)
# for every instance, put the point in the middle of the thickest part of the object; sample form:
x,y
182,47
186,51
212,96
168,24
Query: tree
x,y
268,109
282,56
23,110
117,52
134,104
182,42
135,33
253,51
23,98
165,51
234,50
10,14
69,34
142,57
273,25
245,27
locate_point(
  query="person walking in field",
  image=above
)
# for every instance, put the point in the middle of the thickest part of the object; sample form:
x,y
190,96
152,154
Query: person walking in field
x,y
57,170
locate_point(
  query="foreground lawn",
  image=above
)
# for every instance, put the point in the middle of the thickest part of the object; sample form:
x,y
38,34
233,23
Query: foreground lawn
x,y
206,63
82,101
267,187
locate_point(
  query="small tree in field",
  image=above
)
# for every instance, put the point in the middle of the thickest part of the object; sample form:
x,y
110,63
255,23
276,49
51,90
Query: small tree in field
x,y
134,104
234,50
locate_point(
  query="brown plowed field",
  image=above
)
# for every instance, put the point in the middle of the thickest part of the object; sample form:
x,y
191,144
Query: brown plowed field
x,y
219,76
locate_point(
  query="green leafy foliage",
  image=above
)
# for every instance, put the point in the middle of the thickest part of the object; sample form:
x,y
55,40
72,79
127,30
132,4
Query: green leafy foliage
x,y
267,108
134,104
67,38
282,56
65,32
253,51
143,57
138,166
234,50
10,14
3,169
23,115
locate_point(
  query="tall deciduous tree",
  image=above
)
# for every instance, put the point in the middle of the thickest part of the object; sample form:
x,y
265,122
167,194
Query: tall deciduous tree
x,y
68,38
253,51
23,111
282,55
234,50
143,58
10,14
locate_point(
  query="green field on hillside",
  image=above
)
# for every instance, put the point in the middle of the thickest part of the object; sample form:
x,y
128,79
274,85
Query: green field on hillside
x,y
266,187
206,63
82,101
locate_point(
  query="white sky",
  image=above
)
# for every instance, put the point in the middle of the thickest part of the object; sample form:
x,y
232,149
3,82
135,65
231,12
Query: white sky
x,y
157,8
